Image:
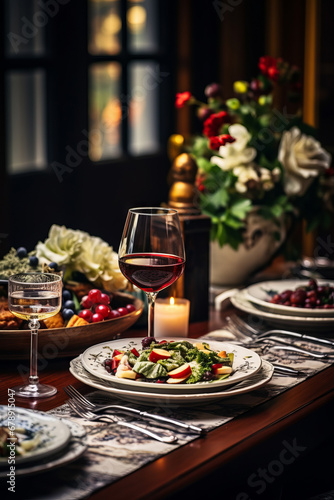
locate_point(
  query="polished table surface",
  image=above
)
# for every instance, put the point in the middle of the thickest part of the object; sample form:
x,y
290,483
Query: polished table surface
x,y
230,457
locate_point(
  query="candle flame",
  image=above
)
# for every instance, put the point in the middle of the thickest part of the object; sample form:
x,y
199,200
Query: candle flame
x,y
171,301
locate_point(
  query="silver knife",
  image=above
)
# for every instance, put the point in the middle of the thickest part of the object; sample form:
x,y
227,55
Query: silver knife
x,y
300,336
153,416
287,370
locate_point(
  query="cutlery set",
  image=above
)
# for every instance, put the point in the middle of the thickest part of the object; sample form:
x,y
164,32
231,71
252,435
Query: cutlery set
x,y
90,411
247,335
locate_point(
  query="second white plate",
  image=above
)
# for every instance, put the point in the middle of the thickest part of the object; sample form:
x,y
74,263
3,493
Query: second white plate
x,y
261,293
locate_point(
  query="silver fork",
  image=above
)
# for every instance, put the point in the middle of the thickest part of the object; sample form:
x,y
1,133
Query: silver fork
x,y
247,330
88,415
84,403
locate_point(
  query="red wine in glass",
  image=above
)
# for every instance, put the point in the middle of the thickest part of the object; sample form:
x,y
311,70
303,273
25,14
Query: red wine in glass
x,y
151,272
151,252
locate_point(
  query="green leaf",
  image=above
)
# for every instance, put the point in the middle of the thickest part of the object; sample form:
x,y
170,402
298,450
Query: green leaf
x,y
240,208
204,164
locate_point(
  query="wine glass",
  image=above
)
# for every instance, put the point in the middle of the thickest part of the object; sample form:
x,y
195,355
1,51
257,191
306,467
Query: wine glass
x,y
33,297
151,253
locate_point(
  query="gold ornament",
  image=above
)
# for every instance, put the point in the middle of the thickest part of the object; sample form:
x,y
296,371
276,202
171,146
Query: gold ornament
x,y
183,194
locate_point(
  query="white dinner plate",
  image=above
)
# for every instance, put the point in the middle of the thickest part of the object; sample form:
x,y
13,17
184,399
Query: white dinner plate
x,y
262,377
261,293
310,323
245,364
50,433
74,449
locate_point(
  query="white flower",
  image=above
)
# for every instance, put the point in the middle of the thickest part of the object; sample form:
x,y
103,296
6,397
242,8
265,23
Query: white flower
x,y
79,251
244,175
62,246
99,263
303,159
236,153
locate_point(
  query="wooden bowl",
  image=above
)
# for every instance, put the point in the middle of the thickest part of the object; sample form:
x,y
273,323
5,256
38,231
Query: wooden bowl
x,y
66,342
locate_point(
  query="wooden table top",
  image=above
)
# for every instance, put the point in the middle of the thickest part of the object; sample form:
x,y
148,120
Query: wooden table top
x,y
224,450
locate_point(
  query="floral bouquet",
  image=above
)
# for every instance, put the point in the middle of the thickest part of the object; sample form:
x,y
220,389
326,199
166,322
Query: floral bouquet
x,y
252,156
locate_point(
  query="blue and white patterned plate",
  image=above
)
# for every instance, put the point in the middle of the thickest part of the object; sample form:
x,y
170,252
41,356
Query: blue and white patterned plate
x,y
245,364
45,433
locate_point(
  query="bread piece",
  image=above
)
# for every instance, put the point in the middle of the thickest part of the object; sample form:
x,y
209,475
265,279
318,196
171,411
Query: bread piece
x,y
56,321
76,321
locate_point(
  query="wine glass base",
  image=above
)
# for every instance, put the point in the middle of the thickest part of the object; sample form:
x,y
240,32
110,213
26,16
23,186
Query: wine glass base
x,y
34,391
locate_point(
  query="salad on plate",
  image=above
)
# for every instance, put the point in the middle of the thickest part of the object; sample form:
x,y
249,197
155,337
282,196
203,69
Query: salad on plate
x,y
173,362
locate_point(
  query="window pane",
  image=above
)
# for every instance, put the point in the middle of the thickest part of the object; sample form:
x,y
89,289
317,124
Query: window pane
x,y
104,27
26,122
25,27
105,111
142,24
143,107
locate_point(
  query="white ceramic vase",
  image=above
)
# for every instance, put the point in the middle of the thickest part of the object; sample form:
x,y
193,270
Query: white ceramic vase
x,y
261,241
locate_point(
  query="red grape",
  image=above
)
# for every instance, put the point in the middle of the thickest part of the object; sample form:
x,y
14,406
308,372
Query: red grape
x,y
130,308
86,314
123,311
95,296
86,302
103,310
97,317
104,299
113,314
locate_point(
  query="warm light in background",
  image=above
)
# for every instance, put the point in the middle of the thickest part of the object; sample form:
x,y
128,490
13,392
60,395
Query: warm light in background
x,y
136,18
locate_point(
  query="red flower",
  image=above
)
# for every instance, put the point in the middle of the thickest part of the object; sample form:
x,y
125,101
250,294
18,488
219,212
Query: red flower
x,y
266,62
273,73
221,140
268,67
213,124
182,98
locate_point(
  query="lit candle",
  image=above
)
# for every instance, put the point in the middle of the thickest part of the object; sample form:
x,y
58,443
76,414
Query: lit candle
x,y
171,317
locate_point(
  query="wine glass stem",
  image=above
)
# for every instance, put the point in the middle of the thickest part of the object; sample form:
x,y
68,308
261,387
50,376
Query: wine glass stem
x,y
151,303
33,325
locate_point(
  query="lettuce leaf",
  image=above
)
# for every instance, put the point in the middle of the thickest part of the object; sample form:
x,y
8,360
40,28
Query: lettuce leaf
x,y
150,370
170,364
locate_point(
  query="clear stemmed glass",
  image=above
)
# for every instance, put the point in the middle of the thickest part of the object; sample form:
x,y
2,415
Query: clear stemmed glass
x,y
33,297
151,253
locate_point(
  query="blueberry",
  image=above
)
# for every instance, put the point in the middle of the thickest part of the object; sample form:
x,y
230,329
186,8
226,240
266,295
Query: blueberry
x,y
53,265
67,295
69,304
33,261
67,314
21,252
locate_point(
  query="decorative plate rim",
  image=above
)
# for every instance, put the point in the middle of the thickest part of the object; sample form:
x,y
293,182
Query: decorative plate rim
x,y
247,385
